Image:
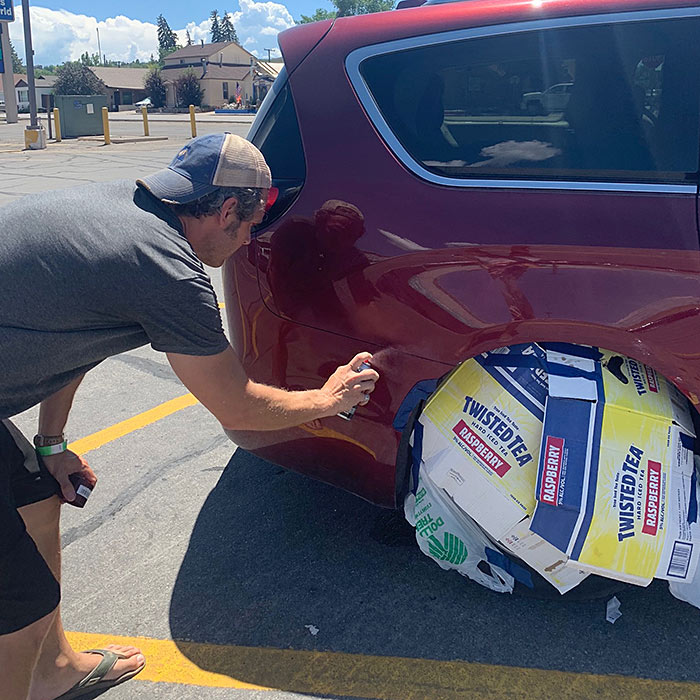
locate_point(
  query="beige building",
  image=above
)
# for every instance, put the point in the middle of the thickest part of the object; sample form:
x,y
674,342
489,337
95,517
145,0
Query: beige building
x,y
223,69
124,86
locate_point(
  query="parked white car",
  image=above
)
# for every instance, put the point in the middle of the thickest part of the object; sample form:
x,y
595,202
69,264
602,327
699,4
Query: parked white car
x,y
553,99
143,103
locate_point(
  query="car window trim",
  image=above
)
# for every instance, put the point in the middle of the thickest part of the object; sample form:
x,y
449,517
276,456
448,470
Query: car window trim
x,y
267,103
355,58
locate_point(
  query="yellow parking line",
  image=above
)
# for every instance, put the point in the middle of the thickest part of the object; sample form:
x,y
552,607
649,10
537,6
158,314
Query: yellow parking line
x,y
382,677
92,442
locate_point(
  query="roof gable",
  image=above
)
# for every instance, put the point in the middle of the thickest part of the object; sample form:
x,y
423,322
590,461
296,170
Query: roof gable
x,y
199,51
216,72
124,78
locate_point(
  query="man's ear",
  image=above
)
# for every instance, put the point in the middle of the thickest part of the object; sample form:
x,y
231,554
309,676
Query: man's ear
x,y
228,209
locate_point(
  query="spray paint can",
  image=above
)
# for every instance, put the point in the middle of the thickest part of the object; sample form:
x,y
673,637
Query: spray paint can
x,y
83,489
347,415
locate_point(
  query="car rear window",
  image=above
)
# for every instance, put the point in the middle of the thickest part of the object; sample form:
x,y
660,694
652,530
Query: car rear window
x,y
612,102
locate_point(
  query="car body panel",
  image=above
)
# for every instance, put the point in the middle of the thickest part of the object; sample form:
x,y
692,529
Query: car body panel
x,y
439,272
297,44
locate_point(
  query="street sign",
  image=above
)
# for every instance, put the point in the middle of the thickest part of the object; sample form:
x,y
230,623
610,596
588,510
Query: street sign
x,y
7,11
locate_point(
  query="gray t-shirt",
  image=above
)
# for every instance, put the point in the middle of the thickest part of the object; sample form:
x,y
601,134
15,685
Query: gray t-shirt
x,y
90,272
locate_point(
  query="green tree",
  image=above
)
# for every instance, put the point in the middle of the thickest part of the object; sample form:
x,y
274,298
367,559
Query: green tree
x,y
167,38
317,16
361,7
189,38
345,8
228,31
155,87
90,60
74,78
17,63
215,26
188,90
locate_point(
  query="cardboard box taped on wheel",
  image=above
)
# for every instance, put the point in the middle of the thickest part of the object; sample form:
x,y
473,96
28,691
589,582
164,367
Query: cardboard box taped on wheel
x,y
482,433
616,486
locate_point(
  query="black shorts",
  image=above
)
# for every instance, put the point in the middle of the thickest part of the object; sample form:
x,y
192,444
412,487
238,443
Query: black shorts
x,y
28,589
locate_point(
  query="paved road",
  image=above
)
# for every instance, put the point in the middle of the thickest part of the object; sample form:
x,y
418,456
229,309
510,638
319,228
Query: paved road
x,y
247,581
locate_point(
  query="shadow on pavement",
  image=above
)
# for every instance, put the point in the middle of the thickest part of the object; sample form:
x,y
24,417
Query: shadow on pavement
x,y
272,552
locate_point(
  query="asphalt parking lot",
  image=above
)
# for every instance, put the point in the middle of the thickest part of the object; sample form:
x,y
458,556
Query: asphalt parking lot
x,y
241,580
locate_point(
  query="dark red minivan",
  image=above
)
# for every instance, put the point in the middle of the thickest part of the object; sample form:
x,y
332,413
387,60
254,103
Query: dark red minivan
x,y
441,196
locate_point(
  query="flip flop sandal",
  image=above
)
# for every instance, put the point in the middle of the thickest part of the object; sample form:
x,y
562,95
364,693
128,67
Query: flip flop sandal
x,y
95,681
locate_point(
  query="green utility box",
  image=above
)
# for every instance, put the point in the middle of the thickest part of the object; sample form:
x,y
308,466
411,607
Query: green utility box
x,y
81,115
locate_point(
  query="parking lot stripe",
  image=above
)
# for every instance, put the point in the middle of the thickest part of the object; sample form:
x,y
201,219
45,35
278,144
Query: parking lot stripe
x,y
92,442
382,677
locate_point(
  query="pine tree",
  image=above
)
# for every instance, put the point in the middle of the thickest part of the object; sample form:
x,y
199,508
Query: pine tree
x,y
17,63
215,26
167,38
228,31
189,38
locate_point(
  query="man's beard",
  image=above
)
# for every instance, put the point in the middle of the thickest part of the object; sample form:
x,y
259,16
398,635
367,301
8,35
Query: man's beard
x,y
232,229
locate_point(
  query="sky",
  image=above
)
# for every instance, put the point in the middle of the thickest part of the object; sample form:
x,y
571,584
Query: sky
x,y
64,29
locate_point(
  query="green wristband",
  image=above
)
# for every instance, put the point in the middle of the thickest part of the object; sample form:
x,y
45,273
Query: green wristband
x,y
52,449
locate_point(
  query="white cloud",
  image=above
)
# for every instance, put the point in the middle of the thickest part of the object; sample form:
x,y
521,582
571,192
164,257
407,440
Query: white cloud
x,y
258,24
59,35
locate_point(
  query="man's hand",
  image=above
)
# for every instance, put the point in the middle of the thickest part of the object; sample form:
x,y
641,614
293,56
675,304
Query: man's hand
x,y
62,465
347,388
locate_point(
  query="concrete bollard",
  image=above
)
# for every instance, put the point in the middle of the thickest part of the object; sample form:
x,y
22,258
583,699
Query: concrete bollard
x,y
193,124
144,112
34,137
105,124
56,124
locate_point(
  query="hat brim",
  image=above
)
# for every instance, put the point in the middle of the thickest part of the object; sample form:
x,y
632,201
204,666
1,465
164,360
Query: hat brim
x,y
169,186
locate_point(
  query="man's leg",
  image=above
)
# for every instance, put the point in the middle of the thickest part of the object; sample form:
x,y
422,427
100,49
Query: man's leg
x,y
59,667
29,593
18,655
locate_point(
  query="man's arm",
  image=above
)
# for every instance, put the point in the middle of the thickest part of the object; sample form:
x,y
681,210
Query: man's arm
x,y
54,410
220,383
53,415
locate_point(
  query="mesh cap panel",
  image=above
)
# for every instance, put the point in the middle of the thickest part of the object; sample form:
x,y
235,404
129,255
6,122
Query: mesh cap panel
x,y
241,165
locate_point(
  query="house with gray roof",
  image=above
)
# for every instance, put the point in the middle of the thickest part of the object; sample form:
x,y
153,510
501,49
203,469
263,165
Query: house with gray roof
x,y
225,71
125,86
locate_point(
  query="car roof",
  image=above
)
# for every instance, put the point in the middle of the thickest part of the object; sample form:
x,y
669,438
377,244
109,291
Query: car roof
x,y
431,16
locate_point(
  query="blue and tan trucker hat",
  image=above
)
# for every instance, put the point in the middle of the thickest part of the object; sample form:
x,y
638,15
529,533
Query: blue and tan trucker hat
x,y
207,163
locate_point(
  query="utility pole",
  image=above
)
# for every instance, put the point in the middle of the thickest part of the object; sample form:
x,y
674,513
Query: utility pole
x,y
99,48
29,52
269,51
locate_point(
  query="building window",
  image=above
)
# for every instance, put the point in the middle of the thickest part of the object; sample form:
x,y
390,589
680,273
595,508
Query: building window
x,y
225,87
23,95
127,97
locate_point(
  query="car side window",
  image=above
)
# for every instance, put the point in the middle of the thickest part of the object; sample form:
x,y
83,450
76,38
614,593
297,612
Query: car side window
x,y
279,140
616,102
